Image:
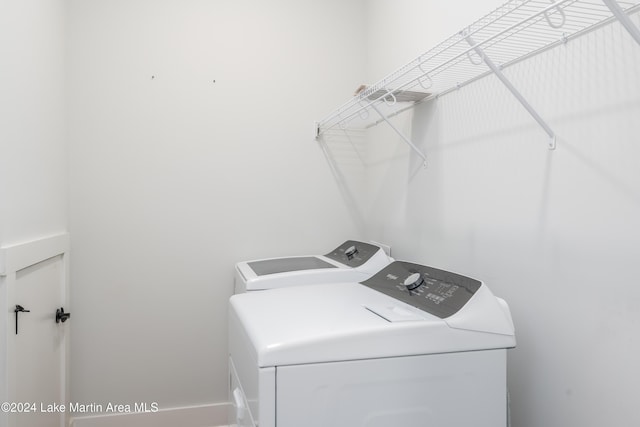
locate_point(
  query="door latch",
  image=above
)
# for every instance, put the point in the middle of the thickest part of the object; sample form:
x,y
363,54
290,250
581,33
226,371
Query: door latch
x,y
61,316
19,309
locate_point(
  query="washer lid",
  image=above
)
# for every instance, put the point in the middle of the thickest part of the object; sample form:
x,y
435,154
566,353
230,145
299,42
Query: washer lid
x,y
351,321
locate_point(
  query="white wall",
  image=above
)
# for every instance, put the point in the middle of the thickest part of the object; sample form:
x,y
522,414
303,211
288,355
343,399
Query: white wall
x,y
32,136
398,32
32,121
555,233
174,178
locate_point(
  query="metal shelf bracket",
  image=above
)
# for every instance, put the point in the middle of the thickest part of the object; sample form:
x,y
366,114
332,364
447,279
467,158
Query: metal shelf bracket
x,y
498,72
624,19
401,135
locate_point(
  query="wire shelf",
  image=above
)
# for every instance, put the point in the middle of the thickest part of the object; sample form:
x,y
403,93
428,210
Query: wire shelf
x,y
515,31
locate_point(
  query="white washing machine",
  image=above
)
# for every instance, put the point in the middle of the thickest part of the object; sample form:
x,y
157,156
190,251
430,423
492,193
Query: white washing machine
x,y
412,346
352,261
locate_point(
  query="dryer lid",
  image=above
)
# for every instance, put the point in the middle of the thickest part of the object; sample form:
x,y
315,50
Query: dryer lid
x,y
285,265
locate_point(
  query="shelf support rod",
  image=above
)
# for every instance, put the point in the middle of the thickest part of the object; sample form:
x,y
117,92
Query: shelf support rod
x,y
624,19
498,72
401,135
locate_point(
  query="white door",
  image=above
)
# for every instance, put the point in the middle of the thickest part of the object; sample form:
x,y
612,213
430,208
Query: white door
x,y
36,371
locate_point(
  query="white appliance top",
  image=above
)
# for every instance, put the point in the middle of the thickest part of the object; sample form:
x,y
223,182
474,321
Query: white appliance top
x,y
352,261
405,309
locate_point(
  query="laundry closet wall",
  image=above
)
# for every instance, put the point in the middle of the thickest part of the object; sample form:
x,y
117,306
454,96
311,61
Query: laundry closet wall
x,y
555,233
191,148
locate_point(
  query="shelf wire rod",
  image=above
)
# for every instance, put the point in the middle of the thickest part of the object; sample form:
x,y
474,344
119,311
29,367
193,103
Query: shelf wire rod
x,y
511,23
495,36
525,46
496,70
523,21
400,111
531,29
465,76
393,77
624,19
403,72
401,135
504,19
606,19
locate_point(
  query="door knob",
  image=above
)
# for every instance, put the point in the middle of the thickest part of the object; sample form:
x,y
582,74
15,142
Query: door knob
x,y
61,316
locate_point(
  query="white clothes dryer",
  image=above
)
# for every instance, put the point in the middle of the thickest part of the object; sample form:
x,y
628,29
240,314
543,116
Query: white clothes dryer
x,y
352,261
412,346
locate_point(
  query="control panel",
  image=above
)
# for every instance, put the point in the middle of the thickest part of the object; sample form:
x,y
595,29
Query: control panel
x,y
353,253
435,291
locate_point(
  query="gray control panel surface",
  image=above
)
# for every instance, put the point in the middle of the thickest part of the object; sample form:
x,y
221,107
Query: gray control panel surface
x,y
435,291
353,253
284,265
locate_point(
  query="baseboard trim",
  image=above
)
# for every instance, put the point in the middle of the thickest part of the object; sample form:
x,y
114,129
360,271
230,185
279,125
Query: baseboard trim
x,y
213,415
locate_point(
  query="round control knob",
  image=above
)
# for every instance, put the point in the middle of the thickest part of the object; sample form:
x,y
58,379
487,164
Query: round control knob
x,y
414,281
351,251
